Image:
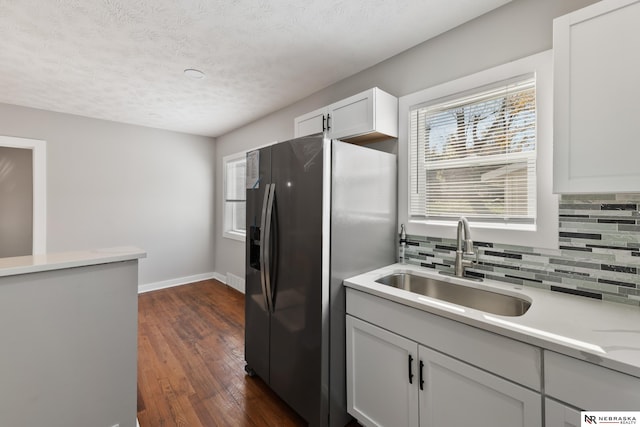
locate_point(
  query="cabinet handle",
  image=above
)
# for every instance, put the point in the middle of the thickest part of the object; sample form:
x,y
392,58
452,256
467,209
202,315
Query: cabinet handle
x,y
410,370
323,121
328,121
421,376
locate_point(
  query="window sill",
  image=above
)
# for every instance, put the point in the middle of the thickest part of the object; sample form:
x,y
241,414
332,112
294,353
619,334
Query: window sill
x,y
516,234
234,235
477,225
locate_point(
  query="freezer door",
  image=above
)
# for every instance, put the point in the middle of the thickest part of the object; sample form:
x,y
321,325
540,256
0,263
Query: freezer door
x,y
296,321
256,342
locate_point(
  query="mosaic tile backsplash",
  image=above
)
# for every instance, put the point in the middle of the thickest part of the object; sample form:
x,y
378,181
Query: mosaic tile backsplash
x,y
598,255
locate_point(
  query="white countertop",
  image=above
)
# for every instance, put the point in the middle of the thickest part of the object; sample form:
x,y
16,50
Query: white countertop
x,y
56,261
599,332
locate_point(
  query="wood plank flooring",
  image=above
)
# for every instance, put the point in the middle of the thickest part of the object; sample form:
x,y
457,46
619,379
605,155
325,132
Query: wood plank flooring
x,y
191,362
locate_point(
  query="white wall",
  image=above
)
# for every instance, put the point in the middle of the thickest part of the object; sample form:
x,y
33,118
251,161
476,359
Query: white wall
x,y
114,184
516,30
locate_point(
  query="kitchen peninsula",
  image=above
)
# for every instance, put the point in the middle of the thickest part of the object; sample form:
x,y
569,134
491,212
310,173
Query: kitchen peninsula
x,y
68,338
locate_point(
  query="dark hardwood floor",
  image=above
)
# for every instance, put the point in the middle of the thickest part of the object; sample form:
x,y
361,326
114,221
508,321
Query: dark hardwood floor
x,y
191,362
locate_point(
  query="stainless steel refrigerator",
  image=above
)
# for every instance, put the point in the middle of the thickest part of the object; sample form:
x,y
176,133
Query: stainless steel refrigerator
x,y
318,211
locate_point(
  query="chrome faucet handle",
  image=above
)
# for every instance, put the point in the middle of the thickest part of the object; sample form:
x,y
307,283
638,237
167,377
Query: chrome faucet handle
x,y
470,262
468,247
467,263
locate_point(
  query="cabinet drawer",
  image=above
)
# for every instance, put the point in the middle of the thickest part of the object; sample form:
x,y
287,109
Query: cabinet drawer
x,y
588,386
514,360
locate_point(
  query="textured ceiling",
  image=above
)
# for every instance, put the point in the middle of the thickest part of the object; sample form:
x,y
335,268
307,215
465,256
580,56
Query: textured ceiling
x,y
123,60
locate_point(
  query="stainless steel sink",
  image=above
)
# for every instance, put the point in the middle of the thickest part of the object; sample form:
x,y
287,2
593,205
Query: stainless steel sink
x,y
479,299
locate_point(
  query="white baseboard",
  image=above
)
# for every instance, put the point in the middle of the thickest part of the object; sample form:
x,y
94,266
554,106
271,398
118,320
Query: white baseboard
x,y
175,282
231,280
236,282
220,277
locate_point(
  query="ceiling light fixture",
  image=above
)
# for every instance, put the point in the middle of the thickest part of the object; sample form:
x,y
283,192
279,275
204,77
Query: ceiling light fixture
x,y
192,73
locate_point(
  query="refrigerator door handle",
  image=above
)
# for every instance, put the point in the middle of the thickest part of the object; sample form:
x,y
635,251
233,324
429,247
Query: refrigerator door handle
x,y
263,245
267,248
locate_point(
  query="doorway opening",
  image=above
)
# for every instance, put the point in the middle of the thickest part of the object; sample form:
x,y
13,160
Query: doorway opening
x,y
22,196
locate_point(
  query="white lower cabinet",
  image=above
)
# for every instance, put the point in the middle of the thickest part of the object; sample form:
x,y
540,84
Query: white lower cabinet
x,y
589,386
409,367
558,415
394,382
458,394
382,377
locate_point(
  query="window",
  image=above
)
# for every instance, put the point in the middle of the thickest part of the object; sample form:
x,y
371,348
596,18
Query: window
x,y
475,156
234,196
481,147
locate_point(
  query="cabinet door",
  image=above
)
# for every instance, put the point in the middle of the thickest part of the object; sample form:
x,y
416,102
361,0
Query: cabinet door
x,y
559,415
596,95
380,391
457,394
310,123
352,116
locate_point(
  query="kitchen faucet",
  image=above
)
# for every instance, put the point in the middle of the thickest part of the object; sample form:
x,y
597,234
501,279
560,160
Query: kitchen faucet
x,y
461,263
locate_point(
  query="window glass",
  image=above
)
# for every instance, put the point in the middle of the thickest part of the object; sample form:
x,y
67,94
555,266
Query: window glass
x,y
234,196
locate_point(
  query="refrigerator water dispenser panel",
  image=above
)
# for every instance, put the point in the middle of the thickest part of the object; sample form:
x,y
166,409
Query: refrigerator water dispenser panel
x,y
254,247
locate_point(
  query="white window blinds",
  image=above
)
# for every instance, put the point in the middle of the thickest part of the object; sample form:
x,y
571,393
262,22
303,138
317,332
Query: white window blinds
x,y
234,194
475,156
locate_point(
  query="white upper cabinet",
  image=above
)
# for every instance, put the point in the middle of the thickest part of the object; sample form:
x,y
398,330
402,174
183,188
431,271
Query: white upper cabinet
x,y
596,96
368,116
310,123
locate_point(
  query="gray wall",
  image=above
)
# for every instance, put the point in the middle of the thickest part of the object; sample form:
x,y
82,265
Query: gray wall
x,y
114,184
16,201
516,30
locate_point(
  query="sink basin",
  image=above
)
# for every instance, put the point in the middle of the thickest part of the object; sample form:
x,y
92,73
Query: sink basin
x,y
479,299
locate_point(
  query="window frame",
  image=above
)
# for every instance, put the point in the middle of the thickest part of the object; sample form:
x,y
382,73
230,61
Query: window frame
x,y
228,230
545,232
418,145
